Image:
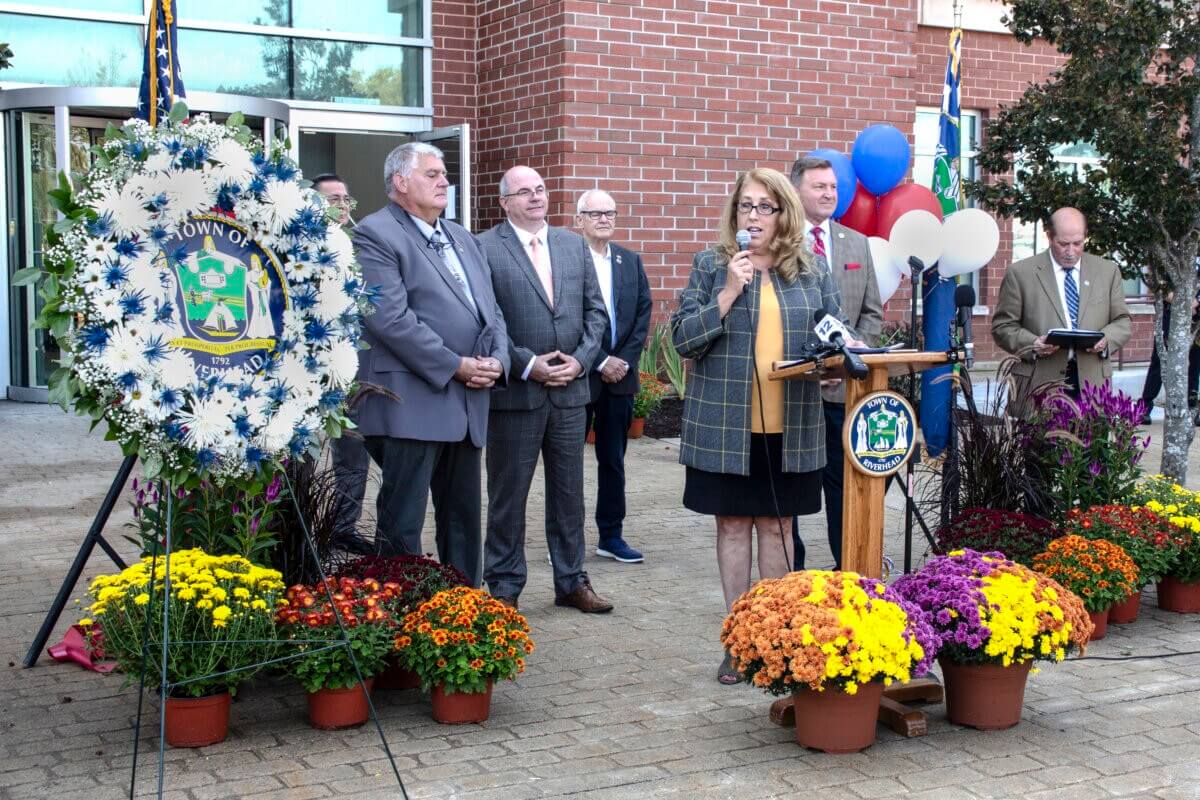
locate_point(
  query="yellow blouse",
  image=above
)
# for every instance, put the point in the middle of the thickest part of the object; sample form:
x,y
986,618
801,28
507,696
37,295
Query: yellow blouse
x,y
768,348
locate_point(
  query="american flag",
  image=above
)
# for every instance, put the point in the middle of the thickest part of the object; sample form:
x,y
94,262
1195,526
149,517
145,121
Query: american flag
x,y
162,80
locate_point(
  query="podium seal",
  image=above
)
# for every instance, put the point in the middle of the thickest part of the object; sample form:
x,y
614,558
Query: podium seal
x,y
880,433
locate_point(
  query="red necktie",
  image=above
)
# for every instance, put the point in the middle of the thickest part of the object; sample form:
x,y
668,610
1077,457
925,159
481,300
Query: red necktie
x,y
818,242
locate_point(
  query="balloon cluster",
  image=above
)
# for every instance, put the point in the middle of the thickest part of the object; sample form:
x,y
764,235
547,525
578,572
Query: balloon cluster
x,y
904,219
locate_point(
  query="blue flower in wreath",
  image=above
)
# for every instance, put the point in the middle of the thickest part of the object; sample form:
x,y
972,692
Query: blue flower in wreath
x,y
128,381
164,311
254,457
173,430
157,233
115,275
133,303
101,227
241,425
332,398
128,248
94,338
205,458
316,332
156,349
193,157
168,400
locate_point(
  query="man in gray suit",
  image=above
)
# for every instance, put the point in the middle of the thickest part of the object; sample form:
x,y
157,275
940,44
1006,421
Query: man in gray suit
x,y
437,340
546,284
847,253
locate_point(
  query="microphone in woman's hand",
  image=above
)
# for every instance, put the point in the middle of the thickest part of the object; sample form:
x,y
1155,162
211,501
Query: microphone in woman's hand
x,y
742,238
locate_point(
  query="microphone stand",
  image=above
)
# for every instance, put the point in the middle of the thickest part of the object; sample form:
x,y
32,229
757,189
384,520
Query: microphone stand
x,y
911,511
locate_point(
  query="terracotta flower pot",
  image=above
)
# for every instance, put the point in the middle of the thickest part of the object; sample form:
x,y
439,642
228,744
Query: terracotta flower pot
x,y
335,709
397,677
1100,620
984,696
454,708
197,721
1174,595
637,427
836,722
1126,611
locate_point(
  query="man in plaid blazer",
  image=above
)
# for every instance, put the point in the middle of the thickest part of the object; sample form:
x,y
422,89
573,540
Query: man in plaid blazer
x,y
545,283
848,255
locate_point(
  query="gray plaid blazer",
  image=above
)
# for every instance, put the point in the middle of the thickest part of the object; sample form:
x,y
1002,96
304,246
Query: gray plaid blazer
x,y
716,409
574,325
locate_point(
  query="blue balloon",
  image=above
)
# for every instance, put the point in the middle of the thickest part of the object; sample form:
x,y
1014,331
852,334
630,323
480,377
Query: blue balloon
x,y
881,157
846,179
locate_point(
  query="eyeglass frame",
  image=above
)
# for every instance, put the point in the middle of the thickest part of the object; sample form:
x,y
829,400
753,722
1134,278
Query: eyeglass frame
x,y
595,216
764,208
527,193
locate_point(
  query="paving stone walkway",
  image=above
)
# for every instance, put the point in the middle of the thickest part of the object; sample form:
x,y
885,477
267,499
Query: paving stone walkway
x,y
618,706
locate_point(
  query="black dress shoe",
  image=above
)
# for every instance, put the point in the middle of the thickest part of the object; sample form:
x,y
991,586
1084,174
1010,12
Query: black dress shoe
x,y
511,602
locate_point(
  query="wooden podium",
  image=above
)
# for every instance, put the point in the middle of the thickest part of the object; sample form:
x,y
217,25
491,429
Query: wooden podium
x,y
862,516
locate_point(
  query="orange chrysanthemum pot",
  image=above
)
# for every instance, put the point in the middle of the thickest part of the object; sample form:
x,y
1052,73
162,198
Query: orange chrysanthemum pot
x,y
197,721
836,722
1100,621
1126,611
455,708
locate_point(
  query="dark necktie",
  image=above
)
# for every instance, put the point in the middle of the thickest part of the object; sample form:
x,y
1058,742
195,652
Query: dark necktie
x,y
439,245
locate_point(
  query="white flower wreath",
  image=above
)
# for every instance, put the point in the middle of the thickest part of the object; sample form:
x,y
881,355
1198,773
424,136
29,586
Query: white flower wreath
x,y
207,306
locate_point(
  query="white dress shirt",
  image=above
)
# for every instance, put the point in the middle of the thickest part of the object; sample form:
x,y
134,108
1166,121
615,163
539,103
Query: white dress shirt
x,y
604,274
449,254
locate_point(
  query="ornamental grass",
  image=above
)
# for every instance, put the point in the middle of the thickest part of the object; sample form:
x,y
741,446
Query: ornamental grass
x,y
314,618
1100,572
987,609
1151,540
816,629
220,615
462,639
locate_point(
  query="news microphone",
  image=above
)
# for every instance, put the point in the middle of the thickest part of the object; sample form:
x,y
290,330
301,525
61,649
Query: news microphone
x,y
964,299
829,329
916,264
742,238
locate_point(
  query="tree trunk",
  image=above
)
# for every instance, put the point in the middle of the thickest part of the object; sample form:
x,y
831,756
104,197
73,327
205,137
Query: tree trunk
x,y
1178,428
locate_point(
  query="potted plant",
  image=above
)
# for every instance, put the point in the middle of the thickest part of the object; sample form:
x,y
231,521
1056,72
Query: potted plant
x,y
832,640
460,642
329,665
1149,539
994,617
1092,452
1101,573
1179,590
417,579
221,610
1018,536
649,397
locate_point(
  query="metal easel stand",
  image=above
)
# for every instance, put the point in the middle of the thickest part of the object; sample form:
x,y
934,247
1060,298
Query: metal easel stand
x,y
165,687
93,538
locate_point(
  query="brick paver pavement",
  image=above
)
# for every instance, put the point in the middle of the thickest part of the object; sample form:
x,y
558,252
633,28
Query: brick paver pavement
x,y
617,706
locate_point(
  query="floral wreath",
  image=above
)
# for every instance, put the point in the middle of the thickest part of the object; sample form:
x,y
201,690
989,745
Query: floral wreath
x,y
207,306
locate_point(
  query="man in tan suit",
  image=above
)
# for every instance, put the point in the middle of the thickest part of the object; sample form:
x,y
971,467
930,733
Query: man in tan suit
x,y
1062,287
847,253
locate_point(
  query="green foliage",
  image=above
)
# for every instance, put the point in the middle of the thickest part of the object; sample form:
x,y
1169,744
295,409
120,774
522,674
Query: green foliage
x,y
649,397
324,667
221,520
662,360
6,55
1129,89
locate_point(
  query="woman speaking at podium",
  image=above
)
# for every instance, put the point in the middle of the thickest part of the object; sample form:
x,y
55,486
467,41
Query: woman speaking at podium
x,y
753,448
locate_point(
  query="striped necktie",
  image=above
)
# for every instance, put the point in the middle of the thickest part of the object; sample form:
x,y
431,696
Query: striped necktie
x,y
1071,290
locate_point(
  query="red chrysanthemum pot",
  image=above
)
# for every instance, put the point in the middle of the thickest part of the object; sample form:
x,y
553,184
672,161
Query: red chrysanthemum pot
x,y
335,709
1126,611
455,708
1175,595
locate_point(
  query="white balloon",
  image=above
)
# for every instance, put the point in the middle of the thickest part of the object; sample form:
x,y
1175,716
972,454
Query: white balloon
x,y
970,239
886,273
917,233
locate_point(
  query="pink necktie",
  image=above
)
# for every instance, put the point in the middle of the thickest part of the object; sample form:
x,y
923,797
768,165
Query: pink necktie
x,y
541,265
818,242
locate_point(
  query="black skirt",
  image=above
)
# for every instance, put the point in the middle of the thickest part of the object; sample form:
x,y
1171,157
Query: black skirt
x,y
751,495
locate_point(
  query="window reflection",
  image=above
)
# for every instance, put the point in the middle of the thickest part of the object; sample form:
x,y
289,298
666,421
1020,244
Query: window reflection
x,y
64,52
122,6
377,17
235,63
344,72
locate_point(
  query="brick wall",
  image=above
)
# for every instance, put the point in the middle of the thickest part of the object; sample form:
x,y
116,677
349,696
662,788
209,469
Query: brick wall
x,y
455,78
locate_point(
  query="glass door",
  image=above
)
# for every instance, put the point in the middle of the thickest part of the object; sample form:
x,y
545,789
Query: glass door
x,y
455,144
35,351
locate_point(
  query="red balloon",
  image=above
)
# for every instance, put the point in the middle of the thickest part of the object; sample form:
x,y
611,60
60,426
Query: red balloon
x,y
905,197
860,216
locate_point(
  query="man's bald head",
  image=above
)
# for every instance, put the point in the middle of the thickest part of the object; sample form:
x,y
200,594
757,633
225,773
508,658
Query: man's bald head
x,y
1067,230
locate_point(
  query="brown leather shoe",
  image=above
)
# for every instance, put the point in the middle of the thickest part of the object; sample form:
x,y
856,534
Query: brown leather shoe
x,y
585,599
511,602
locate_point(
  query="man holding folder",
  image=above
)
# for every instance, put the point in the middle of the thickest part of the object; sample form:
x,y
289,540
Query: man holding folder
x,y
1061,288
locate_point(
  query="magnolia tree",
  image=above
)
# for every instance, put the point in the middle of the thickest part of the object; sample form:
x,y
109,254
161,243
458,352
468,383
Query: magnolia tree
x,y
1131,89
